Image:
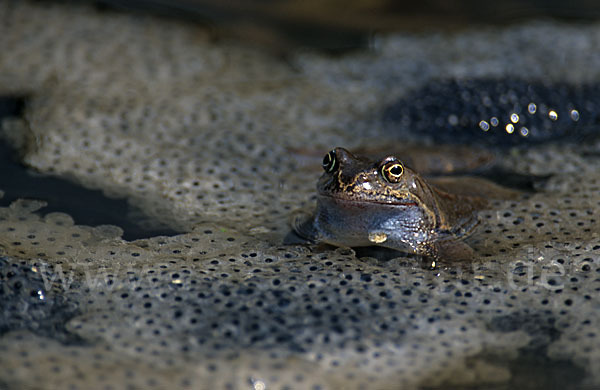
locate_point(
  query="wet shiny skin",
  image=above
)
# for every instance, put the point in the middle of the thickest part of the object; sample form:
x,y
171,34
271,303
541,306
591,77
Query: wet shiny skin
x,y
363,202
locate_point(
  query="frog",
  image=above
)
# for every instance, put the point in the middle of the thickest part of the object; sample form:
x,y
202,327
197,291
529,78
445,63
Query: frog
x,y
383,202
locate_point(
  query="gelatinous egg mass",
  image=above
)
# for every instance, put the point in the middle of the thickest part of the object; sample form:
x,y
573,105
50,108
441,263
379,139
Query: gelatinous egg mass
x,y
499,112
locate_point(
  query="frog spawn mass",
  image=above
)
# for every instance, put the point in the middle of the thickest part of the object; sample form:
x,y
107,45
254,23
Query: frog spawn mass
x,y
199,136
515,111
184,316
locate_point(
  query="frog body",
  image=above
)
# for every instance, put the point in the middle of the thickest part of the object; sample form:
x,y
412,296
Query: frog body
x,y
363,202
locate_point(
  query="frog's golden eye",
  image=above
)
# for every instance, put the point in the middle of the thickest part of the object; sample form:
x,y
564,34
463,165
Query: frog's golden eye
x,y
330,162
392,171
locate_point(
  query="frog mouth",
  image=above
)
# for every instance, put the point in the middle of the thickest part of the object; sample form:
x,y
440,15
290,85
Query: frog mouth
x,y
349,200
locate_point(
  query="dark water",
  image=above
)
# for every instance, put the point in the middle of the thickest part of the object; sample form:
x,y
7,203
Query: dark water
x,y
25,303
86,207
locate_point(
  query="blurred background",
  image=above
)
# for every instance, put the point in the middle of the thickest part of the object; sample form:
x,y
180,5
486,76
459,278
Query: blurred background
x,y
337,26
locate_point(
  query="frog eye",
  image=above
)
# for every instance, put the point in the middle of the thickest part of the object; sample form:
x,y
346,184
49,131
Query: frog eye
x,y
330,162
392,171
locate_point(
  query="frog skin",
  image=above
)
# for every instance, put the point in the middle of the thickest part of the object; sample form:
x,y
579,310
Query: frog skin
x,y
363,202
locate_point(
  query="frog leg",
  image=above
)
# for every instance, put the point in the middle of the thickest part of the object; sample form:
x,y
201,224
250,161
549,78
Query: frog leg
x,y
455,250
304,227
450,250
